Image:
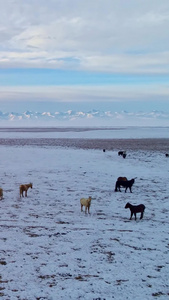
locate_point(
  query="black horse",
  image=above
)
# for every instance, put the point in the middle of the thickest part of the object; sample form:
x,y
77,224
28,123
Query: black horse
x,y
136,209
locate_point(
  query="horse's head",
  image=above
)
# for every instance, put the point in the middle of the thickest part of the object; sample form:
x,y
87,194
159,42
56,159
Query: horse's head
x,y
127,205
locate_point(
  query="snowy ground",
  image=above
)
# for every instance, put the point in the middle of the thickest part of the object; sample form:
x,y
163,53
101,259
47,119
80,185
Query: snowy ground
x,y
86,132
51,250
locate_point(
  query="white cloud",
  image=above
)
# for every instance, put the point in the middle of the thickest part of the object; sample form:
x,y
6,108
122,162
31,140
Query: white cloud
x,y
86,93
109,35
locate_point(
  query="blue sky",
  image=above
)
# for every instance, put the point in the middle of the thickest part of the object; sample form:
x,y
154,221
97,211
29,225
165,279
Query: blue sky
x,y
111,54
56,77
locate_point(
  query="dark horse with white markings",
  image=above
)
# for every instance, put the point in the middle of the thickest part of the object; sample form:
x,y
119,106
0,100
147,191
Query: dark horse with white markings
x,y
122,153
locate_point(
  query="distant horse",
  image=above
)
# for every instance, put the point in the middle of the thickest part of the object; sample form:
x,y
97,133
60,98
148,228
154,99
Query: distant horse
x,y
167,155
127,184
136,209
122,153
24,188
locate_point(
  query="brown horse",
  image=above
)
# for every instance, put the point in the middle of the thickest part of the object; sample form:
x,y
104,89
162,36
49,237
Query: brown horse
x,y
121,179
24,188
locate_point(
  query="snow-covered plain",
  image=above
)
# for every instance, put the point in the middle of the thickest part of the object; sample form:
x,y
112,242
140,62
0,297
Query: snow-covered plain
x,y
122,132
51,250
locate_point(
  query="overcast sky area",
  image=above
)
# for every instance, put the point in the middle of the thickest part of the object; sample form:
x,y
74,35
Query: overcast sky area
x,y
85,53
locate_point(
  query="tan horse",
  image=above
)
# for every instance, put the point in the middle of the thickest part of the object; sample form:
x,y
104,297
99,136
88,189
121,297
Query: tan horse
x,y
1,193
24,188
85,202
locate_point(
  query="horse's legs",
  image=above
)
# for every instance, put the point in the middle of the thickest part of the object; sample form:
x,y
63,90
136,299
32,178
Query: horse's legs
x,y
116,187
142,213
135,216
131,215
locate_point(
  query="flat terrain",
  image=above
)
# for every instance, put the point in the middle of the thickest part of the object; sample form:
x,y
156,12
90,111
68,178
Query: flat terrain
x,y
52,250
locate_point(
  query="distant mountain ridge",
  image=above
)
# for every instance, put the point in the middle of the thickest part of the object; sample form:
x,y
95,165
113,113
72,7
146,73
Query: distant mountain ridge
x,y
93,116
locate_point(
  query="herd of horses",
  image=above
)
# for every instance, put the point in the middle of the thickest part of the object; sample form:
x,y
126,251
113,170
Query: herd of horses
x,y
127,184
134,209
120,182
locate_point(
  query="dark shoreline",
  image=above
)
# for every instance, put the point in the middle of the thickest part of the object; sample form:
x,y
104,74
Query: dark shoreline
x,y
57,129
144,144
73,129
